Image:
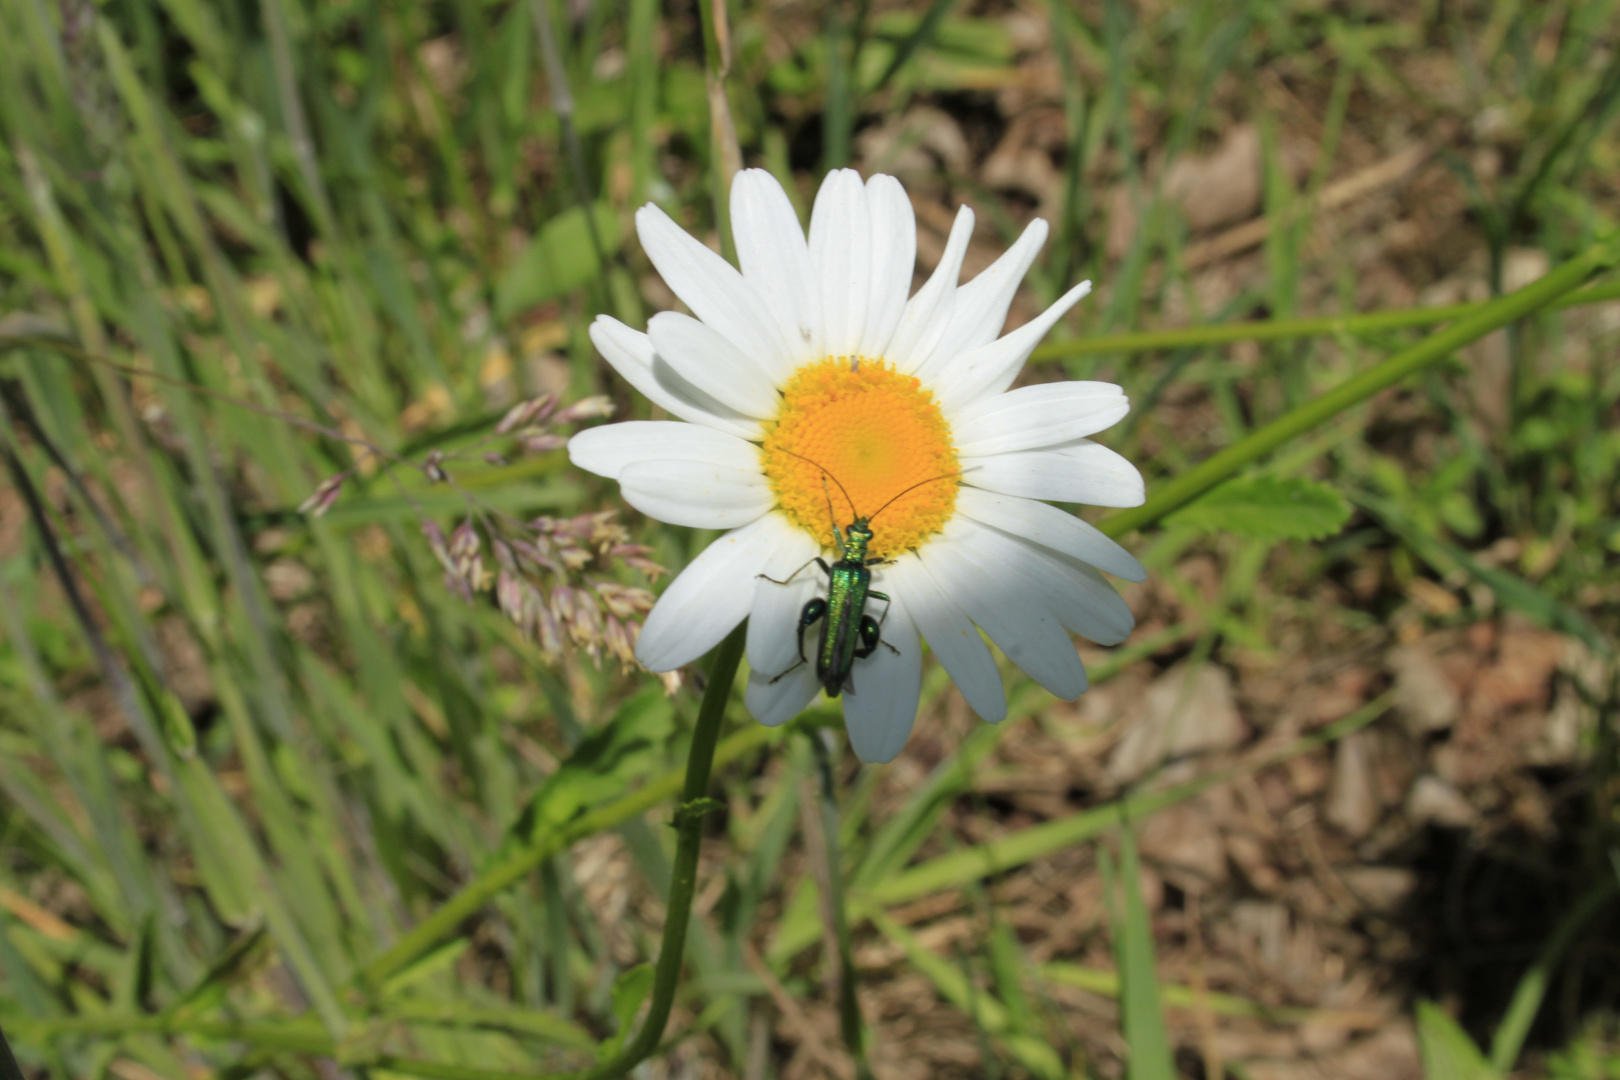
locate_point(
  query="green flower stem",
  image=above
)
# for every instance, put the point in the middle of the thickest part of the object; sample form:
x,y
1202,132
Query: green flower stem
x,y
1183,489
1184,337
492,882
825,812
683,878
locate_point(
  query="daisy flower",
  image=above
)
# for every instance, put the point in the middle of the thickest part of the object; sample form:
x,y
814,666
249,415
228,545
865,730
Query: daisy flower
x,y
812,363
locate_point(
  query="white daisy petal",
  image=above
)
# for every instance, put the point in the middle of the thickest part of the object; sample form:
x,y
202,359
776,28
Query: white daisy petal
x,y
708,598
979,309
1050,527
952,636
632,355
776,261
989,369
894,257
712,288
1078,596
774,700
1113,619
841,258
712,363
928,313
1010,611
1078,472
1032,417
696,495
879,711
773,639
608,450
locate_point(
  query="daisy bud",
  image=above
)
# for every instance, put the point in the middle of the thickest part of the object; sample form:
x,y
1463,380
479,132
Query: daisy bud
x,y
466,561
325,495
541,555
635,557
574,557
561,604
464,542
509,595
515,417
624,601
438,545
619,643
543,626
542,442
503,554
609,592
586,409
524,413
433,467
587,618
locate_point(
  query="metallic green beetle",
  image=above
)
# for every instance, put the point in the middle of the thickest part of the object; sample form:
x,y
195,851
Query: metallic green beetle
x,y
848,633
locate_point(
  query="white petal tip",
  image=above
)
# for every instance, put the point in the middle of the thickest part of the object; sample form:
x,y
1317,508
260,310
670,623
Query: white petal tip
x,y
653,660
879,750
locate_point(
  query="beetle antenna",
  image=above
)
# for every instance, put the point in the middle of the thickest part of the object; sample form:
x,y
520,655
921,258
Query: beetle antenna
x,y
914,487
832,516
825,476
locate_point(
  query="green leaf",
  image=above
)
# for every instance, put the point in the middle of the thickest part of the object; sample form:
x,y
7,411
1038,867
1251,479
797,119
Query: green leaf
x,y
176,724
606,763
630,990
1448,1052
1267,508
241,959
561,258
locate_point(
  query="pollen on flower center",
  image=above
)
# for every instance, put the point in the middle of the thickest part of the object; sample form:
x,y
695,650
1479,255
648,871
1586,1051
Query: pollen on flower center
x,y
876,433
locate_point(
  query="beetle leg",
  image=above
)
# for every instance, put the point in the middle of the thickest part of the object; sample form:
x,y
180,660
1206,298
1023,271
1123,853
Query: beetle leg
x,y
871,638
887,603
818,560
795,667
811,611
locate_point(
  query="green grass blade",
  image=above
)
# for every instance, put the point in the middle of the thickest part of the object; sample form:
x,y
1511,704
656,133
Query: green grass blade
x,y
1147,1041
985,1011
1532,988
1189,485
1447,1051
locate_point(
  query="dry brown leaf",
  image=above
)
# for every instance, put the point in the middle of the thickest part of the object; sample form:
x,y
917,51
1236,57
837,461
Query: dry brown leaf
x,y
1184,712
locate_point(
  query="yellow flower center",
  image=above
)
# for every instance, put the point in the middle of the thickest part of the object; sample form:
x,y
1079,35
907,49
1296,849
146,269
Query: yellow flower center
x,y
863,435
